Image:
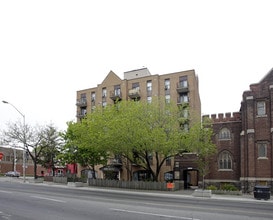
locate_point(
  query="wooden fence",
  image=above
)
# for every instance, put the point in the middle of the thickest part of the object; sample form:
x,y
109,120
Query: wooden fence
x,y
140,185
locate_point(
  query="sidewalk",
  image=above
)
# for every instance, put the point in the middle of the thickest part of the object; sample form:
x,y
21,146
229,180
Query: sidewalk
x,y
178,193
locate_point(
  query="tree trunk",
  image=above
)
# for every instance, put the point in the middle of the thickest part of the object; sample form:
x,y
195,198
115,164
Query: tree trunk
x,y
35,169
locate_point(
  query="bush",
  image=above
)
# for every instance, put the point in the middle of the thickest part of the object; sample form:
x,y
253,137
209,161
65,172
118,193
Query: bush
x,y
229,187
212,187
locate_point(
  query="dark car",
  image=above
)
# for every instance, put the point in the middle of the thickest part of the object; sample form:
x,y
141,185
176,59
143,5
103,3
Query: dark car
x,y
12,174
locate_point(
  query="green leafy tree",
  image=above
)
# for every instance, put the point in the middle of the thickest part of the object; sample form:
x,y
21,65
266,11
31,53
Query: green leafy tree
x,y
202,145
83,143
145,134
141,133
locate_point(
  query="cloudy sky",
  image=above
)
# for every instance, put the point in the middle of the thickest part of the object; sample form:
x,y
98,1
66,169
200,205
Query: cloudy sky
x,y
51,49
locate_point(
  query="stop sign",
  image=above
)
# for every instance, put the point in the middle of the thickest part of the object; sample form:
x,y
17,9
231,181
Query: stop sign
x,y
1,155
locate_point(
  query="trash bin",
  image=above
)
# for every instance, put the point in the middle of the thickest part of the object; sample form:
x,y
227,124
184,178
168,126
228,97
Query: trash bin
x,y
262,192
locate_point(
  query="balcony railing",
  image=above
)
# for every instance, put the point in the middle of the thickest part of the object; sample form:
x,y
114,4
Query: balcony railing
x,y
81,114
181,88
134,93
115,95
81,102
115,162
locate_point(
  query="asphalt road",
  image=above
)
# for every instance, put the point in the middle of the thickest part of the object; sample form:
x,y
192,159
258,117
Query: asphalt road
x,y
45,202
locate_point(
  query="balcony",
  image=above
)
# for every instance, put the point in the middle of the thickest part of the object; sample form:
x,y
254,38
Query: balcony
x,y
81,102
182,88
115,162
134,93
81,115
115,95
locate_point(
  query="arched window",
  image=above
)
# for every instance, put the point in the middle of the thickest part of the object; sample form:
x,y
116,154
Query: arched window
x,y
225,161
262,150
224,134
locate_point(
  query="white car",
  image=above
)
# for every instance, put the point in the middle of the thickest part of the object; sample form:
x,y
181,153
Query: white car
x,y
12,174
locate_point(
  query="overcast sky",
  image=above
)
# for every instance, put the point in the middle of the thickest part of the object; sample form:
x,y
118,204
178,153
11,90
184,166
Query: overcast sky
x,y
51,49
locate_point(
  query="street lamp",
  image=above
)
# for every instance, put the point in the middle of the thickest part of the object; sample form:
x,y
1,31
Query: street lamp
x,y
24,124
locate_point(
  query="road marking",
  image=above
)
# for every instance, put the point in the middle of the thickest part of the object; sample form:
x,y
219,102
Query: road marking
x,y
153,214
2,191
49,199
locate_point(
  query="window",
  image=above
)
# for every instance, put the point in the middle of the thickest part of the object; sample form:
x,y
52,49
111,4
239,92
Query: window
x,y
167,84
225,161
261,108
83,99
83,111
135,85
117,91
186,127
185,113
167,98
149,86
183,82
104,92
142,175
262,150
177,175
183,98
93,96
224,134
168,161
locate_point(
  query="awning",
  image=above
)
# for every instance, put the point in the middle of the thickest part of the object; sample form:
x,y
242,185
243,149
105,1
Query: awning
x,y
110,168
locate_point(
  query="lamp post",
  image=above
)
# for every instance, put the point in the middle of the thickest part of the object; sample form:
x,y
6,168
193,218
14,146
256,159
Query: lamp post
x,y
14,159
24,124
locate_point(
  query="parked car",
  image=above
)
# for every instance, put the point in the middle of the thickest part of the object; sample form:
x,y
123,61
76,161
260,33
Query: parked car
x,y
12,174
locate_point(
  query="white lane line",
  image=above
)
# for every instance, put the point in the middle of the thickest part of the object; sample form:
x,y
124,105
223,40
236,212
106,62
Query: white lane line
x,y
49,199
153,214
8,192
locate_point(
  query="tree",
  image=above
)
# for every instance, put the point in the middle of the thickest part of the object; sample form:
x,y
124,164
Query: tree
x,y
141,133
82,144
50,146
201,141
146,134
30,138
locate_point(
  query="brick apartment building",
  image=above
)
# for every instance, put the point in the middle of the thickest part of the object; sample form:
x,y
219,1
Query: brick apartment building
x,y
180,87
